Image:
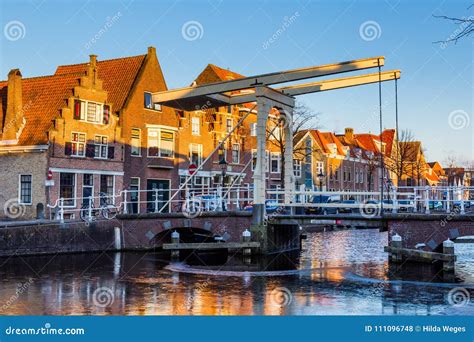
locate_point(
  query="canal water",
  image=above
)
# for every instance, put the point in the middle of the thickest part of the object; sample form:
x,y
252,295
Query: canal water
x,y
336,273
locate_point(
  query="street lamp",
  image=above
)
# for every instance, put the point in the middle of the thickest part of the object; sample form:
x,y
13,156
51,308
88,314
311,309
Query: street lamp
x,y
321,178
223,165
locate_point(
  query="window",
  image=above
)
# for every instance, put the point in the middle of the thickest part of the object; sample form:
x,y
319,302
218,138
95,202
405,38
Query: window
x,y
319,167
93,112
87,187
229,125
275,159
78,144
195,126
253,129
254,160
235,153
100,147
25,189
67,188
136,142
148,102
107,188
134,206
297,167
160,143
195,154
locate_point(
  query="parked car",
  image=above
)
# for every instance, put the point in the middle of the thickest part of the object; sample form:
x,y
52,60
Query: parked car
x,y
406,204
436,205
351,209
457,204
323,199
271,206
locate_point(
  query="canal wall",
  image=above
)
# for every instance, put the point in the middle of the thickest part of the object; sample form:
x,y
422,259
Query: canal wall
x,y
54,238
431,230
126,232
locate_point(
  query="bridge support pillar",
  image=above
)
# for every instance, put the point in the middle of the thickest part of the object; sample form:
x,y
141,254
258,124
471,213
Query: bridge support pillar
x,y
448,248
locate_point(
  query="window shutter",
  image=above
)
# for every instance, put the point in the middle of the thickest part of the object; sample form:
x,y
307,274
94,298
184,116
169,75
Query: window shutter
x,y
110,152
90,150
106,115
68,149
77,110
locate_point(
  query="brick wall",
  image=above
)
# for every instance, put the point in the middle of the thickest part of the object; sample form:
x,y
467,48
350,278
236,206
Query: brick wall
x,y
11,166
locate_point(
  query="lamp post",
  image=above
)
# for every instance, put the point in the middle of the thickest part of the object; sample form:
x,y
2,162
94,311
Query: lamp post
x,y
223,166
321,178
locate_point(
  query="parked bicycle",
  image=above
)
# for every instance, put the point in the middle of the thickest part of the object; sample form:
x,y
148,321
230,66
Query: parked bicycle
x,y
106,209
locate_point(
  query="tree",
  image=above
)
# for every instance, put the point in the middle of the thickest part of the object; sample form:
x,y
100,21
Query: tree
x,y
401,163
465,27
304,118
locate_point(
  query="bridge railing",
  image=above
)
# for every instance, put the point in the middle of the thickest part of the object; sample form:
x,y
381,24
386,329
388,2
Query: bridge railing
x,y
410,199
192,199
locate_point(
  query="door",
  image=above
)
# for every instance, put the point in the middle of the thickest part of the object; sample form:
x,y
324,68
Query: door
x,y
158,195
87,188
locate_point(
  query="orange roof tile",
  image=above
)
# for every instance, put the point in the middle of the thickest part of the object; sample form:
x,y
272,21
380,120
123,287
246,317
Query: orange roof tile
x,y
43,97
117,75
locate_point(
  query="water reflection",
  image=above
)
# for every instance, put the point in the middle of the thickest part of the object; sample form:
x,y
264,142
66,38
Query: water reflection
x,y
343,272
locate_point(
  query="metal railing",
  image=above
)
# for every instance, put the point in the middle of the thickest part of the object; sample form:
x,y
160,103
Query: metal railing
x,y
240,197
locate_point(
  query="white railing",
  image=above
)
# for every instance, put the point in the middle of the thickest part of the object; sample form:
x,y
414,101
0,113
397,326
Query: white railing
x,y
406,199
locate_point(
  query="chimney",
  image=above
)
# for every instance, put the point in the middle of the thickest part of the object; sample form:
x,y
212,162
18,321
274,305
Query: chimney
x,y
93,68
14,114
349,133
151,50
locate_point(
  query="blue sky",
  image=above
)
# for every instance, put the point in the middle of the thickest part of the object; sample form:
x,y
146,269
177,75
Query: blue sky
x,y
435,92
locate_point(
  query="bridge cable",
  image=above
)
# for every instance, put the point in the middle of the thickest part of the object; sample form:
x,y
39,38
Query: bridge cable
x,y
381,157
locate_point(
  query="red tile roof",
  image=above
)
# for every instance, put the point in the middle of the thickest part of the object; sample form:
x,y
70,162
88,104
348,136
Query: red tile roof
x,y
43,97
117,75
388,137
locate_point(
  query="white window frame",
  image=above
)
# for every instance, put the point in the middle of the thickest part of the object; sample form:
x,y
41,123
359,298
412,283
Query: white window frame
x,y
132,145
253,129
228,128
297,167
84,113
113,186
74,189
319,167
138,192
19,188
195,125
159,131
275,156
77,143
101,145
238,153
199,151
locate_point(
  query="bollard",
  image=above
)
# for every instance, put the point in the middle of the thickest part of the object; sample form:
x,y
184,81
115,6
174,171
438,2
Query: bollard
x,y
396,243
246,237
61,210
448,248
175,239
